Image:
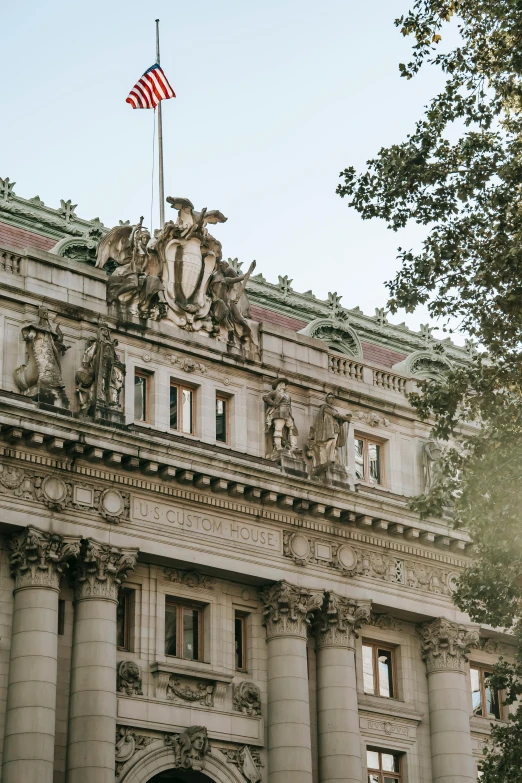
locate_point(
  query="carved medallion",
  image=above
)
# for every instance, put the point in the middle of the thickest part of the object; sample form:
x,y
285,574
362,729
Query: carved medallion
x,y
347,559
112,505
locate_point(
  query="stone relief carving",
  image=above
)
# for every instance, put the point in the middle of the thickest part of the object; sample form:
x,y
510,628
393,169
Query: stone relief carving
x,y
354,560
247,760
389,728
446,644
129,678
100,380
247,698
191,579
327,436
372,418
494,647
128,742
188,365
38,558
336,622
384,621
431,457
279,420
190,747
41,377
100,569
203,692
287,609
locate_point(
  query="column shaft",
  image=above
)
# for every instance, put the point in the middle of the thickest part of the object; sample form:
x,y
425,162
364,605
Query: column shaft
x,y
451,749
338,716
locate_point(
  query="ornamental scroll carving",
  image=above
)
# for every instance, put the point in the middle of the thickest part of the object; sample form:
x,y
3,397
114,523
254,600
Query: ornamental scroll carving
x,y
247,698
100,570
446,644
39,559
337,621
288,609
128,742
203,692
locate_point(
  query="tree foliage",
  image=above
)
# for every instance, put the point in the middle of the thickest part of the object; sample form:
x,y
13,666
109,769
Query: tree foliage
x,y
459,174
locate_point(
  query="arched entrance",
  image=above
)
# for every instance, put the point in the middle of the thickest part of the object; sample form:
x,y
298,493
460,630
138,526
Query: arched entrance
x,y
180,776
157,763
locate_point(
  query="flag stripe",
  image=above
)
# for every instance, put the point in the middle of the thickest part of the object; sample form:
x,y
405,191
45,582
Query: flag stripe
x,y
150,89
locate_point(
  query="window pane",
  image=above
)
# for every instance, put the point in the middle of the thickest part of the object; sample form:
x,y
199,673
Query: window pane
x,y
367,656
173,407
186,416
140,398
390,762
121,620
492,699
372,759
385,673
170,630
190,634
359,459
221,420
374,459
239,642
373,779
476,700
388,779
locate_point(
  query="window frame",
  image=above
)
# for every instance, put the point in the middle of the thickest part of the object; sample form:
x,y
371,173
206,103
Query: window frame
x,y
61,617
227,400
243,618
383,773
367,440
181,387
126,595
180,605
482,669
140,373
376,646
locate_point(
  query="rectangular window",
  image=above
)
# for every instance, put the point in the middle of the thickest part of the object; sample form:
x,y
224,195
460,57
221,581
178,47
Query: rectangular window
x,y
487,702
141,395
240,641
182,409
183,630
221,420
61,617
383,766
123,619
368,460
378,670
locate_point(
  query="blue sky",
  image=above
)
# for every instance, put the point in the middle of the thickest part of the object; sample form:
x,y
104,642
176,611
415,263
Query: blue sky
x,y
274,99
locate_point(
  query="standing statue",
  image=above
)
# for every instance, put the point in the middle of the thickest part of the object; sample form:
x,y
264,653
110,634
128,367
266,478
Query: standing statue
x,y
135,284
328,434
41,377
226,295
431,458
279,419
100,379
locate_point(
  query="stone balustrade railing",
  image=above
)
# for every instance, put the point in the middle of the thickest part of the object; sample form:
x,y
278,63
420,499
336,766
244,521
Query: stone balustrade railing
x,y
349,368
341,365
10,262
390,381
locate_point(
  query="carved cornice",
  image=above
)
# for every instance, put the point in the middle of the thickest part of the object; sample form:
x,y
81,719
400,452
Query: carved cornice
x,y
446,644
100,569
38,559
336,623
288,609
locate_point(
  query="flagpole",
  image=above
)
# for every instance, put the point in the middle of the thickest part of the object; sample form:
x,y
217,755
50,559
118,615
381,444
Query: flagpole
x,y
160,142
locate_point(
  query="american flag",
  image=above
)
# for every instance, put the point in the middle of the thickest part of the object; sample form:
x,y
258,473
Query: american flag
x,y
152,88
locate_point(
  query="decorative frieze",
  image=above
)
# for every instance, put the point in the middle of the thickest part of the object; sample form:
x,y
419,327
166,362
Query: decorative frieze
x,y
38,559
337,621
446,644
288,609
247,698
384,621
192,579
247,760
129,678
100,570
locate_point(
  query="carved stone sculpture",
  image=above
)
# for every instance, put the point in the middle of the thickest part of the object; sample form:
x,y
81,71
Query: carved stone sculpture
x,y
279,420
247,698
327,436
446,644
202,693
100,379
128,742
226,295
247,760
129,678
288,609
431,457
190,747
41,377
338,619
39,559
101,568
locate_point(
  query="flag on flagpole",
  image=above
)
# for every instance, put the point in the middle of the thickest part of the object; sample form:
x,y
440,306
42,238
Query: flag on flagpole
x,y
150,89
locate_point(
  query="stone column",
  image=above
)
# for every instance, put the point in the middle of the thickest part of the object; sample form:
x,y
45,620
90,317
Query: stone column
x,y
339,737
287,617
37,563
92,707
445,646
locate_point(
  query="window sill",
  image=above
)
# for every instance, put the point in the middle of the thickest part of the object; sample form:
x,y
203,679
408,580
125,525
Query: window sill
x,y
197,669
483,725
369,485
382,705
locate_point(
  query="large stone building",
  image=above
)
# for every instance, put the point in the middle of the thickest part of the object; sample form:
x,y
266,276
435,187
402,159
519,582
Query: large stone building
x,y
209,567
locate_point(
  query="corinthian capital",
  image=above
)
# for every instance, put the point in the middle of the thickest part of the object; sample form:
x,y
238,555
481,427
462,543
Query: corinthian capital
x,y
339,618
446,644
38,559
100,570
288,609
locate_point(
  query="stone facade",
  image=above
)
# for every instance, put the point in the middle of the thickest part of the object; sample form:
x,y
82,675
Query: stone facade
x,y
200,550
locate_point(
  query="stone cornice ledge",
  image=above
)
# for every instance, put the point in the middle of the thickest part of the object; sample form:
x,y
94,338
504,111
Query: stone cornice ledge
x,y
396,709
197,669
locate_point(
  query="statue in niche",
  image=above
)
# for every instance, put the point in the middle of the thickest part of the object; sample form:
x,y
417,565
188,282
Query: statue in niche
x,y
100,379
279,419
327,437
41,377
135,282
431,459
